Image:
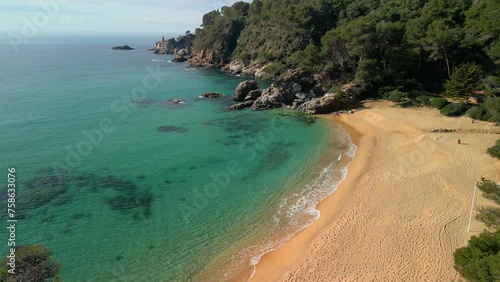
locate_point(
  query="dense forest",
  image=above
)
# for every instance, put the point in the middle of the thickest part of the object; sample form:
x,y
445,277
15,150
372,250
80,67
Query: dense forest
x,y
383,45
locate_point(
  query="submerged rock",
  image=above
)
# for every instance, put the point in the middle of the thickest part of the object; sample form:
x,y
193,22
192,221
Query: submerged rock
x,y
168,128
176,101
212,95
145,103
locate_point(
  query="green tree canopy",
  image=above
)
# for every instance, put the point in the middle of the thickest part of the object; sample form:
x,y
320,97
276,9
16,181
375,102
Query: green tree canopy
x,y
465,79
480,259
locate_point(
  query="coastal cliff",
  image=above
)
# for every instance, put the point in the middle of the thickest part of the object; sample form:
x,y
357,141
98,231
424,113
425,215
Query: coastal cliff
x,y
378,46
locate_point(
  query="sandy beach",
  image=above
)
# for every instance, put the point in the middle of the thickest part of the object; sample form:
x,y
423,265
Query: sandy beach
x,y
404,206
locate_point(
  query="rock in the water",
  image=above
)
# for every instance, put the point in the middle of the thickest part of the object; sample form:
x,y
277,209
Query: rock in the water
x,y
179,59
322,105
240,106
253,95
176,101
212,95
123,47
244,88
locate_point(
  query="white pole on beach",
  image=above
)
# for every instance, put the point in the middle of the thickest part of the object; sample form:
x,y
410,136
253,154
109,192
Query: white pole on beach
x,y
472,207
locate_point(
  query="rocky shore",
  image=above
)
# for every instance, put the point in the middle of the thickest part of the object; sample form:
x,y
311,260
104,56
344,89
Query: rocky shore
x,y
297,90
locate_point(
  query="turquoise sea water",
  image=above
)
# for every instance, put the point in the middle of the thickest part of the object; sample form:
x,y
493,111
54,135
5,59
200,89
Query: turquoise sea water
x,y
122,186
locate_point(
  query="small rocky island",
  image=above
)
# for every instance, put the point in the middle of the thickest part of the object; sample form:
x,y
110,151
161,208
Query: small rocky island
x,y
122,47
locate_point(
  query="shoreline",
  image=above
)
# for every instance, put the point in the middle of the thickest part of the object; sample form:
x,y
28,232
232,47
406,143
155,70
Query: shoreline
x,y
327,166
290,251
344,162
403,207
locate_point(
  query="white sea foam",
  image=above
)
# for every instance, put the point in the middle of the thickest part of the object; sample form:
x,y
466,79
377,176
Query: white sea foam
x,y
299,210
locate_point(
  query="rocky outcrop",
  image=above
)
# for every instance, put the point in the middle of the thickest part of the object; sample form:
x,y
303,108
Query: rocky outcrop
x,y
322,105
242,68
183,43
253,95
241,106
294,88
211,95
347,98
179,59
244,88
206,58
123,47
298,90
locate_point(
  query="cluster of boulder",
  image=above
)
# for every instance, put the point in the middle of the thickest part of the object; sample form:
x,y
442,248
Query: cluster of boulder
x,y
297,90
246,93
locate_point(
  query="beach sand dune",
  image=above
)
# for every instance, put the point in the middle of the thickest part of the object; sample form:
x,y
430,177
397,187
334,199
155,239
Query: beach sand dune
x,y
404,206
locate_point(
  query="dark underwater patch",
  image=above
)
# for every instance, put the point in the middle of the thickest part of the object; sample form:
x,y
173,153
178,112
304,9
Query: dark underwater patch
x,y
298,116
50,189
146,103
169,128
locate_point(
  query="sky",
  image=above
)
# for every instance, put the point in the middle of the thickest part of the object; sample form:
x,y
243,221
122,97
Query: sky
x,y
105,16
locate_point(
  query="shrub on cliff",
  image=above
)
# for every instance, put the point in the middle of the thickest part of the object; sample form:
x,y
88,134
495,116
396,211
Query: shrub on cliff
x,y
480,259
308,59
33,263
454,109
275,68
